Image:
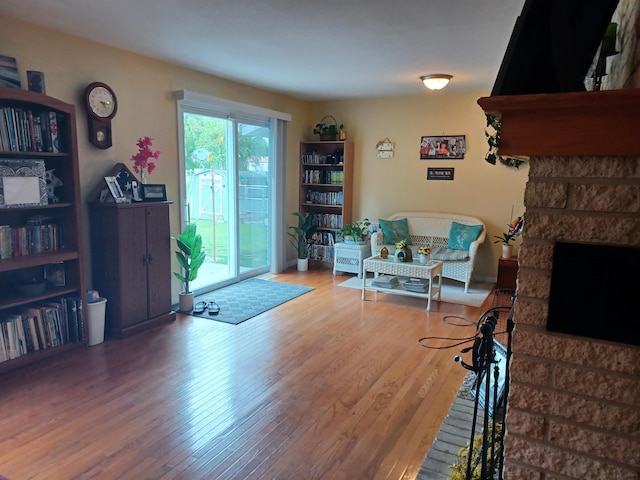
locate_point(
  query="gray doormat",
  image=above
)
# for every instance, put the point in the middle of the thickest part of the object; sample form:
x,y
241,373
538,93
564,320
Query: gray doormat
x,y
246,299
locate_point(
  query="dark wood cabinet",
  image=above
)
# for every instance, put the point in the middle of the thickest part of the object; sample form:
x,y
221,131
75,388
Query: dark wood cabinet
x,y
131,253
507,273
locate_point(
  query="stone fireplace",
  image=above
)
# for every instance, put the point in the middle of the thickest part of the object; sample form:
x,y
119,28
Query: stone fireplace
x,y
574,401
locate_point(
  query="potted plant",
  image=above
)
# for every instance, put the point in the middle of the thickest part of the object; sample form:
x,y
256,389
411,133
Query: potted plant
x,y
514,231
300,236
328,131
355,232
190,256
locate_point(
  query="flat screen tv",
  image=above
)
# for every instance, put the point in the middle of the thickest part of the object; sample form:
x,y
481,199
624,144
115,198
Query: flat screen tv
x,y
594,291
552,46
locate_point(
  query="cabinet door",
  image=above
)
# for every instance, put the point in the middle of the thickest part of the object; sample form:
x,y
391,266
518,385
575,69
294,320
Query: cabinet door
x,y
159,260
131,271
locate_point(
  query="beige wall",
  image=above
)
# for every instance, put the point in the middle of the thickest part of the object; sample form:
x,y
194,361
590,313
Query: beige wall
x,y
383,187
145,107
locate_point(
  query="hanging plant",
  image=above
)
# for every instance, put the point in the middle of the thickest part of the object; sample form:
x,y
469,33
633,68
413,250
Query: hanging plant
x,y
492,132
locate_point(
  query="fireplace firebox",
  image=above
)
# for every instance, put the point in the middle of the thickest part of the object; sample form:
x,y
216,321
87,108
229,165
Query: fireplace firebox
x,y
594,291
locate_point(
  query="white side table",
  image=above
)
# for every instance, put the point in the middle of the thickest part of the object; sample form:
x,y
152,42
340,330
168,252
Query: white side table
x,y
348,257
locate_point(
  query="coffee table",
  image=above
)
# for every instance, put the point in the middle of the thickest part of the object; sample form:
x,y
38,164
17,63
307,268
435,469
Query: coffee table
x,y
390,266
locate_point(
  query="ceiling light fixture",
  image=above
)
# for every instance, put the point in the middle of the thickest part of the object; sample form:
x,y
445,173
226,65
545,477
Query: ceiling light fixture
x,y
436,81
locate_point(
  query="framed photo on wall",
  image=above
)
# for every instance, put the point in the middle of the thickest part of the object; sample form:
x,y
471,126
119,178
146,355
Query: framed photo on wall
x,y
443,147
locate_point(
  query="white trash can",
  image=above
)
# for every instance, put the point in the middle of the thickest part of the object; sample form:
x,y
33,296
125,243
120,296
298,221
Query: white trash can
x,y
95,318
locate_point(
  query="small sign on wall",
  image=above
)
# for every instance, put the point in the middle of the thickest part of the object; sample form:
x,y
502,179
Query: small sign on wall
x,y
440,173
385,148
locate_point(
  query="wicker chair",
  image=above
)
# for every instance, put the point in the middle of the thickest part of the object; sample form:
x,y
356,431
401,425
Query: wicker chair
x,y
432,229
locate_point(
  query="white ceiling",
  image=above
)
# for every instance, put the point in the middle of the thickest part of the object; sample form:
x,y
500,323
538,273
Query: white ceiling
x,y
329,49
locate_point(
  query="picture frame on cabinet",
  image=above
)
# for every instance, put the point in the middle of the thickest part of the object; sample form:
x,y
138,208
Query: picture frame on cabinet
x,y
153,192
125,179
116,191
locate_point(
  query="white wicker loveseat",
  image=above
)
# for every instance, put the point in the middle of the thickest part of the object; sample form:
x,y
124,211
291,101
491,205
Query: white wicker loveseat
x,y
432,229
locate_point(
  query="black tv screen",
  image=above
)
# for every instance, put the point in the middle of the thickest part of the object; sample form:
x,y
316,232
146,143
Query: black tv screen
x,y
552,46
594,291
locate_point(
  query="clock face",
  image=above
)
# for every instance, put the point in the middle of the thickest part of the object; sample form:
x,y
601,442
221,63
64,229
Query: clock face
x,y
101,101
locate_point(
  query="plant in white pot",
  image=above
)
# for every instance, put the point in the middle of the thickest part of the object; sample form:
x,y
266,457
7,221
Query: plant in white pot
x,y
514,231
300,237
355,232
190,256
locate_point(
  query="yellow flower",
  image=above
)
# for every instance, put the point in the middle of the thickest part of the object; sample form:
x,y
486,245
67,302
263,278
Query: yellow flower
x,y
425,250
401,244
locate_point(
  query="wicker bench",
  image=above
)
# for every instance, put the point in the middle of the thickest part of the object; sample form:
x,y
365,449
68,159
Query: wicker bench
x,y
432,229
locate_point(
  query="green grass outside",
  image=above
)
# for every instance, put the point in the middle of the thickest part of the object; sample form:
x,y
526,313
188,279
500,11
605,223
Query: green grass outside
x,y
253,243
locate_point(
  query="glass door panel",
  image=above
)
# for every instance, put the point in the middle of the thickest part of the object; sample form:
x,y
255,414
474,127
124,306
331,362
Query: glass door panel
x,y
228,196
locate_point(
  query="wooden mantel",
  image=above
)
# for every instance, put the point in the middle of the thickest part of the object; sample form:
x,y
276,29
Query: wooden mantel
x,y
603,123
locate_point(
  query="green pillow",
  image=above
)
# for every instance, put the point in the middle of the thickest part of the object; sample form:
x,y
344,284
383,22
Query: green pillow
x,y
461,236
394,231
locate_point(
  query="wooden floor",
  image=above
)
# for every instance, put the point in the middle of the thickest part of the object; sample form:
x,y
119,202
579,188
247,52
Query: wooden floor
x,y
323,387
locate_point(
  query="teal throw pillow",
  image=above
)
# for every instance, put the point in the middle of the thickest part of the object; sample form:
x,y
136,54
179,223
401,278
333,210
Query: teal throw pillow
x,y
393,231
461,236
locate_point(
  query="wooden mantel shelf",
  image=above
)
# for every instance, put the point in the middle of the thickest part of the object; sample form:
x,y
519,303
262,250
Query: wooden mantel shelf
x,y
604,123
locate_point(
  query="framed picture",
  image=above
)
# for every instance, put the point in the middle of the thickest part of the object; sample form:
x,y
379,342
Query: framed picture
x,y
9,75
116,191
440,173
153,192
438,148
22,183
55,275
125,179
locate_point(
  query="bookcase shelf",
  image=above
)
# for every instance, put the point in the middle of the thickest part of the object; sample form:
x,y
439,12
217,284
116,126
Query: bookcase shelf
x,y
326,179
35,237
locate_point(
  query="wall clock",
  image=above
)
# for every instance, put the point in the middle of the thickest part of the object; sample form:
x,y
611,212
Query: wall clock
x,y
102,106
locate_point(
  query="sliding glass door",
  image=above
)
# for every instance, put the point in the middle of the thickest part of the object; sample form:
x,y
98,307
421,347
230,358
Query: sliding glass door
x,y
227,194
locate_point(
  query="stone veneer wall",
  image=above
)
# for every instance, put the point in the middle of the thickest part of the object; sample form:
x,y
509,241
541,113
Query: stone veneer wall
x,y
574,402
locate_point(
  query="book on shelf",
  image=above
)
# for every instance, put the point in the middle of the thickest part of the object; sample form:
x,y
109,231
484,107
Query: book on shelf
x,y
27,130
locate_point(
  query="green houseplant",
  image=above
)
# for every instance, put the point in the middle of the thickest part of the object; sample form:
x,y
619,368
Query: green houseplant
x,y
513,232
327,131
300,236
355,231
190,256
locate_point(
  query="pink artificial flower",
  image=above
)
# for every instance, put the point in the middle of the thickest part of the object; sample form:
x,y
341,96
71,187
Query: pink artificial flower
x,y
141,159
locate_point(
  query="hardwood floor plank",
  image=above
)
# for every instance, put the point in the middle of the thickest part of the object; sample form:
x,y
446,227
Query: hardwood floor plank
x,y
323,386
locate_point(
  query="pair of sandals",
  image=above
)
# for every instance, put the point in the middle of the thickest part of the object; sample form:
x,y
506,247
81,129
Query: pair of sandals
x,y
202,306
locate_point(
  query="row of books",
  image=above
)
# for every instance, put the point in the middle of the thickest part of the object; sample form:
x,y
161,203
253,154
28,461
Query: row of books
x,y
18,241
323,177
41,326
25,130
323,238
322,253
336,158
325,198
313,158
327,220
